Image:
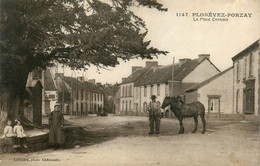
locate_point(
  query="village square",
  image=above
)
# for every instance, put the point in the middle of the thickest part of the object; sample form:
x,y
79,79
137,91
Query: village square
x,y
84,83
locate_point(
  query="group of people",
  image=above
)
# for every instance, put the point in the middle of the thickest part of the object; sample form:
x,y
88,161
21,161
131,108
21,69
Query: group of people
x,y
56,123
14,136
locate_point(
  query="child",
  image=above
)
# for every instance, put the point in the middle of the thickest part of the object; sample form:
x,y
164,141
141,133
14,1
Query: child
x,y
8,136
18,130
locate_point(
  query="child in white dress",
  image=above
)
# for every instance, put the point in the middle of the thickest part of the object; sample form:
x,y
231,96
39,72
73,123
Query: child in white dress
x,y
8,137
19,131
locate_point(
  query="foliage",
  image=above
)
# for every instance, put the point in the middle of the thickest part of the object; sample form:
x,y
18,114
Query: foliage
x,y
38,33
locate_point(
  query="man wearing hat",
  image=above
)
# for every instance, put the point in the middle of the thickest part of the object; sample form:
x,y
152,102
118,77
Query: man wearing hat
x,y
56,122
154,115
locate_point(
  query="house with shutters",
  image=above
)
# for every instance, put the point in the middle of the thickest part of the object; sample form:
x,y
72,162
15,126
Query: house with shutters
x,y
78,97
154,79
246,83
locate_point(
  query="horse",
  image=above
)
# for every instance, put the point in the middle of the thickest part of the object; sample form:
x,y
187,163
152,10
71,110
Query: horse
x,y
182,110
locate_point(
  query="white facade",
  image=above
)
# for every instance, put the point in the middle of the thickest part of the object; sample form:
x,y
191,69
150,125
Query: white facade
x,y
246,80
145,92
127,98
215,94
202,72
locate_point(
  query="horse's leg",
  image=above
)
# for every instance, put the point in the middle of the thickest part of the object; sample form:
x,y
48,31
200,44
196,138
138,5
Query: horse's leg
x,y
202,116
196,124
181,125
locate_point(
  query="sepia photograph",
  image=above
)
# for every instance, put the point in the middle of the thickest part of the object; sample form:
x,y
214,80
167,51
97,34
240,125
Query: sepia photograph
x,y
129,82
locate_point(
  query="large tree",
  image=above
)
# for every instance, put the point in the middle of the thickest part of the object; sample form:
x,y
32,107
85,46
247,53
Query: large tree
x,y
77,33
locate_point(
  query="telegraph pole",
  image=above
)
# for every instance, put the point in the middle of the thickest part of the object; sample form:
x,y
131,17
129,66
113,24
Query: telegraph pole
x,y
172,76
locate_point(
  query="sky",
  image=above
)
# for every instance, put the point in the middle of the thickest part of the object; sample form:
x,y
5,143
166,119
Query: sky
x,y
183,37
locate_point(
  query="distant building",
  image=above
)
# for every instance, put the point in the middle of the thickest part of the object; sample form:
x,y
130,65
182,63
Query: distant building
x,y
246,80
50,96
214,93
111,97
33,104
78,97
157,80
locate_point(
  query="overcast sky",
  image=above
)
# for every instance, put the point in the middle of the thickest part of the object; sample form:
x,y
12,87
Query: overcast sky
x,y
184,38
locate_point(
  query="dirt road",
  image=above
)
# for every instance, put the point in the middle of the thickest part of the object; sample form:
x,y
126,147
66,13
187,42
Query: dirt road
x,y
118,141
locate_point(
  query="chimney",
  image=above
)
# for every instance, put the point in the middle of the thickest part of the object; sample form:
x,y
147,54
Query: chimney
x,y
151,63
123,79
184,60
203,56
93,81
134,68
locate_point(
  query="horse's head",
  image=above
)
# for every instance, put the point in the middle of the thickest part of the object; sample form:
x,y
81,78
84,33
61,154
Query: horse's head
x,y
166,102
173,101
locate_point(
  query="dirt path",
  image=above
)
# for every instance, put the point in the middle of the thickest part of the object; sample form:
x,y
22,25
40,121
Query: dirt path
x,y
123,141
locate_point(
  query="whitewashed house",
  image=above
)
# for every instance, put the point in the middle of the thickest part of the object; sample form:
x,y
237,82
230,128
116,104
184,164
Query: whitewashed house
x,y
246,80
157,80
214,93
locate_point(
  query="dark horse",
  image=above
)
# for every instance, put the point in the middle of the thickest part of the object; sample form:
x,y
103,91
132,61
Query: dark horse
x,y
182,110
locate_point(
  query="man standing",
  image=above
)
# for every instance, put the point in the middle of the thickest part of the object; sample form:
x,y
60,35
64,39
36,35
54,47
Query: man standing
x,y
56,122
154,115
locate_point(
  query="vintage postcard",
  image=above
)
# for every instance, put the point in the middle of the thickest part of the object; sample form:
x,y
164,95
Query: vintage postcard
x,y
129,82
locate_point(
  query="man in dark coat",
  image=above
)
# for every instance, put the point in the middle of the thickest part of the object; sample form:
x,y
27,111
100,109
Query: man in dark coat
x,y
154,115
56,122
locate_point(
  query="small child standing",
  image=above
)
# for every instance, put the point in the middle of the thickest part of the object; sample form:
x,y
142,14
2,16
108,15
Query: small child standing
x,y
8,136
18,130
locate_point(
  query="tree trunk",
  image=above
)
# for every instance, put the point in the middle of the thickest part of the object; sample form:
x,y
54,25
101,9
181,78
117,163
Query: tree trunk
x,y
11,106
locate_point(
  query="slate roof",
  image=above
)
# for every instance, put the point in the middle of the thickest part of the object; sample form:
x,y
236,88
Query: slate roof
x,y
246,50
135,75
86,85
49,84
197,86
163,74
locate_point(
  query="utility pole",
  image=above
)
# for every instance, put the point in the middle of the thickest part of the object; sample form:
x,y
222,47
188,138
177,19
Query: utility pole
x,y
172,76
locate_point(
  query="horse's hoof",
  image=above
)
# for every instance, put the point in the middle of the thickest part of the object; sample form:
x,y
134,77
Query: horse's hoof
x,y
203,132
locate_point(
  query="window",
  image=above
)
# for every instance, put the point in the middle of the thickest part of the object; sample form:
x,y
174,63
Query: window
x,y
97,97
151,90
126,106
82,94
145,91
130,90
123,91
250,65
86,95
126,93
158,90
238,70
136,92
144,106
123,105
77,95
130,105
51,96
